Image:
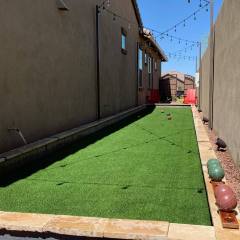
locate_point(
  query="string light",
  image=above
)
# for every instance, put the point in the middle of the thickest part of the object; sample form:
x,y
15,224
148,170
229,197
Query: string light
x,y
189,17
163,35
178,39
159,34
181,57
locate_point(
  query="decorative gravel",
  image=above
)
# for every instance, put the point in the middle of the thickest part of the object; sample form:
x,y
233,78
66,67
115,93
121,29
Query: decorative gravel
x,y
232,171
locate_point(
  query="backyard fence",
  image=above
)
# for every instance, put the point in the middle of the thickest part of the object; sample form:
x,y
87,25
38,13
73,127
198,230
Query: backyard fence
x,y
226,98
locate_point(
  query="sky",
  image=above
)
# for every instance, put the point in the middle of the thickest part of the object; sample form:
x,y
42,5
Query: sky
x,y
161,15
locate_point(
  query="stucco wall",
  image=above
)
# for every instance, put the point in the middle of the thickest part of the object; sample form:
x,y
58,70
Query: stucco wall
x,y
48,66
144,92
226,110
205,84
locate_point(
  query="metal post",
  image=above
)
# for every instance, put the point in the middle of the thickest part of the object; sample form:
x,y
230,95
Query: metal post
x,y
98,64
211,71
200,76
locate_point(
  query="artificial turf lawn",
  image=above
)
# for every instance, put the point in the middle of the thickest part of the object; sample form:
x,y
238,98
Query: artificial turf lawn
x,y
147,169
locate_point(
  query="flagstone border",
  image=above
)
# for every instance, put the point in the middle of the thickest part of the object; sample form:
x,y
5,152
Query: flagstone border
x,y
128,229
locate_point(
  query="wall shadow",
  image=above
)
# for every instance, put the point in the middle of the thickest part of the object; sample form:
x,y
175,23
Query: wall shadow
x,y
12,235
35,164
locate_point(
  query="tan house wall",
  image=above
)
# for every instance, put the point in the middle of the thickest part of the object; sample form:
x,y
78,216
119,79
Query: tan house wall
x,y
144,92
226,107
48,66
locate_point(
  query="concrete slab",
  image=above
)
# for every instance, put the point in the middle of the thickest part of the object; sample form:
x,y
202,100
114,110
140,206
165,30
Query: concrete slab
x,y
223,234
206,152
24,221
127,229
76,226
191,232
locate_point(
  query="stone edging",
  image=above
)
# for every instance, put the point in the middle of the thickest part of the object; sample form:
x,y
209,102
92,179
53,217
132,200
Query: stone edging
x,y
38,149
206,152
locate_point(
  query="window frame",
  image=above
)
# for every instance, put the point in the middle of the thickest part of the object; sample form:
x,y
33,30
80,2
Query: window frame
x,y
140,68
150,71
123,41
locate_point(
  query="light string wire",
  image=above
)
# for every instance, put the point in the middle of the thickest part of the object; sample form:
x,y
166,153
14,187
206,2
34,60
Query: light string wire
x,y
165,33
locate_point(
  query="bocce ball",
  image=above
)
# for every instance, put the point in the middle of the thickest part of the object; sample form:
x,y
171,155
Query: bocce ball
x,y
222,189
213,166
226,202
216,174
212,162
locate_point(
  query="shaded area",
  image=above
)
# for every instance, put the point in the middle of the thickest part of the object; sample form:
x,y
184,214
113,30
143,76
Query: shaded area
x,y
146,167
33,165
14,235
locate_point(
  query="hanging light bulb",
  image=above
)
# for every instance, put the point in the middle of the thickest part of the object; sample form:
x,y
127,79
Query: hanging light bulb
x,y
114,17
179,41
200,4
184,23
195,16
175,29
108,3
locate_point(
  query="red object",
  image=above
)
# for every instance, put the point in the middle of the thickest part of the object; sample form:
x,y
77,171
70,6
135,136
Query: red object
x,y
226,202
154,96
190,97
222,189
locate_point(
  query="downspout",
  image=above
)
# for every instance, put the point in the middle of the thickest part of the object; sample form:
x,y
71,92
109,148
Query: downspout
x,y
200,76
211,71
98,64
137,98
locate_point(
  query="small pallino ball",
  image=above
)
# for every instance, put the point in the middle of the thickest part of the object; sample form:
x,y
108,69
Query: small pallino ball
x,y
226,202
216,174
222,189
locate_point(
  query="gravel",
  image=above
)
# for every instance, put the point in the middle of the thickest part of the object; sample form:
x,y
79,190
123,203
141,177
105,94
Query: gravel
x,y
232,171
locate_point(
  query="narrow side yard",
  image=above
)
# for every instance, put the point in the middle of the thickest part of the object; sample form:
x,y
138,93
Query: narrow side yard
x,y
148,169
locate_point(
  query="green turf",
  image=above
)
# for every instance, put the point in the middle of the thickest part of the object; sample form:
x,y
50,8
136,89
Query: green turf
x,y
148,169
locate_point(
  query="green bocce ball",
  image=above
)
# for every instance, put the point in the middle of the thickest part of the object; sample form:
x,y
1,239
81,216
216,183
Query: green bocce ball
x,y
216,173
213,162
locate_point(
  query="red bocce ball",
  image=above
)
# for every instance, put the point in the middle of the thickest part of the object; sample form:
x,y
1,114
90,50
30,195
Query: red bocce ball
x,y
222,189
226,201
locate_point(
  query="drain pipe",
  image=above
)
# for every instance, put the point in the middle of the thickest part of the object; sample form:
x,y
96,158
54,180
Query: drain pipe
x,y
19,132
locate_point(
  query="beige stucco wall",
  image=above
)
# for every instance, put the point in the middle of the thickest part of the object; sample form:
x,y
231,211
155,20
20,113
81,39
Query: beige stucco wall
x,y
144,92
205,84
48,66
226,113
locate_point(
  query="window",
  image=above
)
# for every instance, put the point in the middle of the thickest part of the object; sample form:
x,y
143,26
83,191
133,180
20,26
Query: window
x,y
140,67
149,65
145,58
124,41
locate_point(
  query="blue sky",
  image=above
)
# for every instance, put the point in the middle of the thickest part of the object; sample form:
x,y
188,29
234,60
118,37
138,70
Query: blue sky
x,y
163,14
